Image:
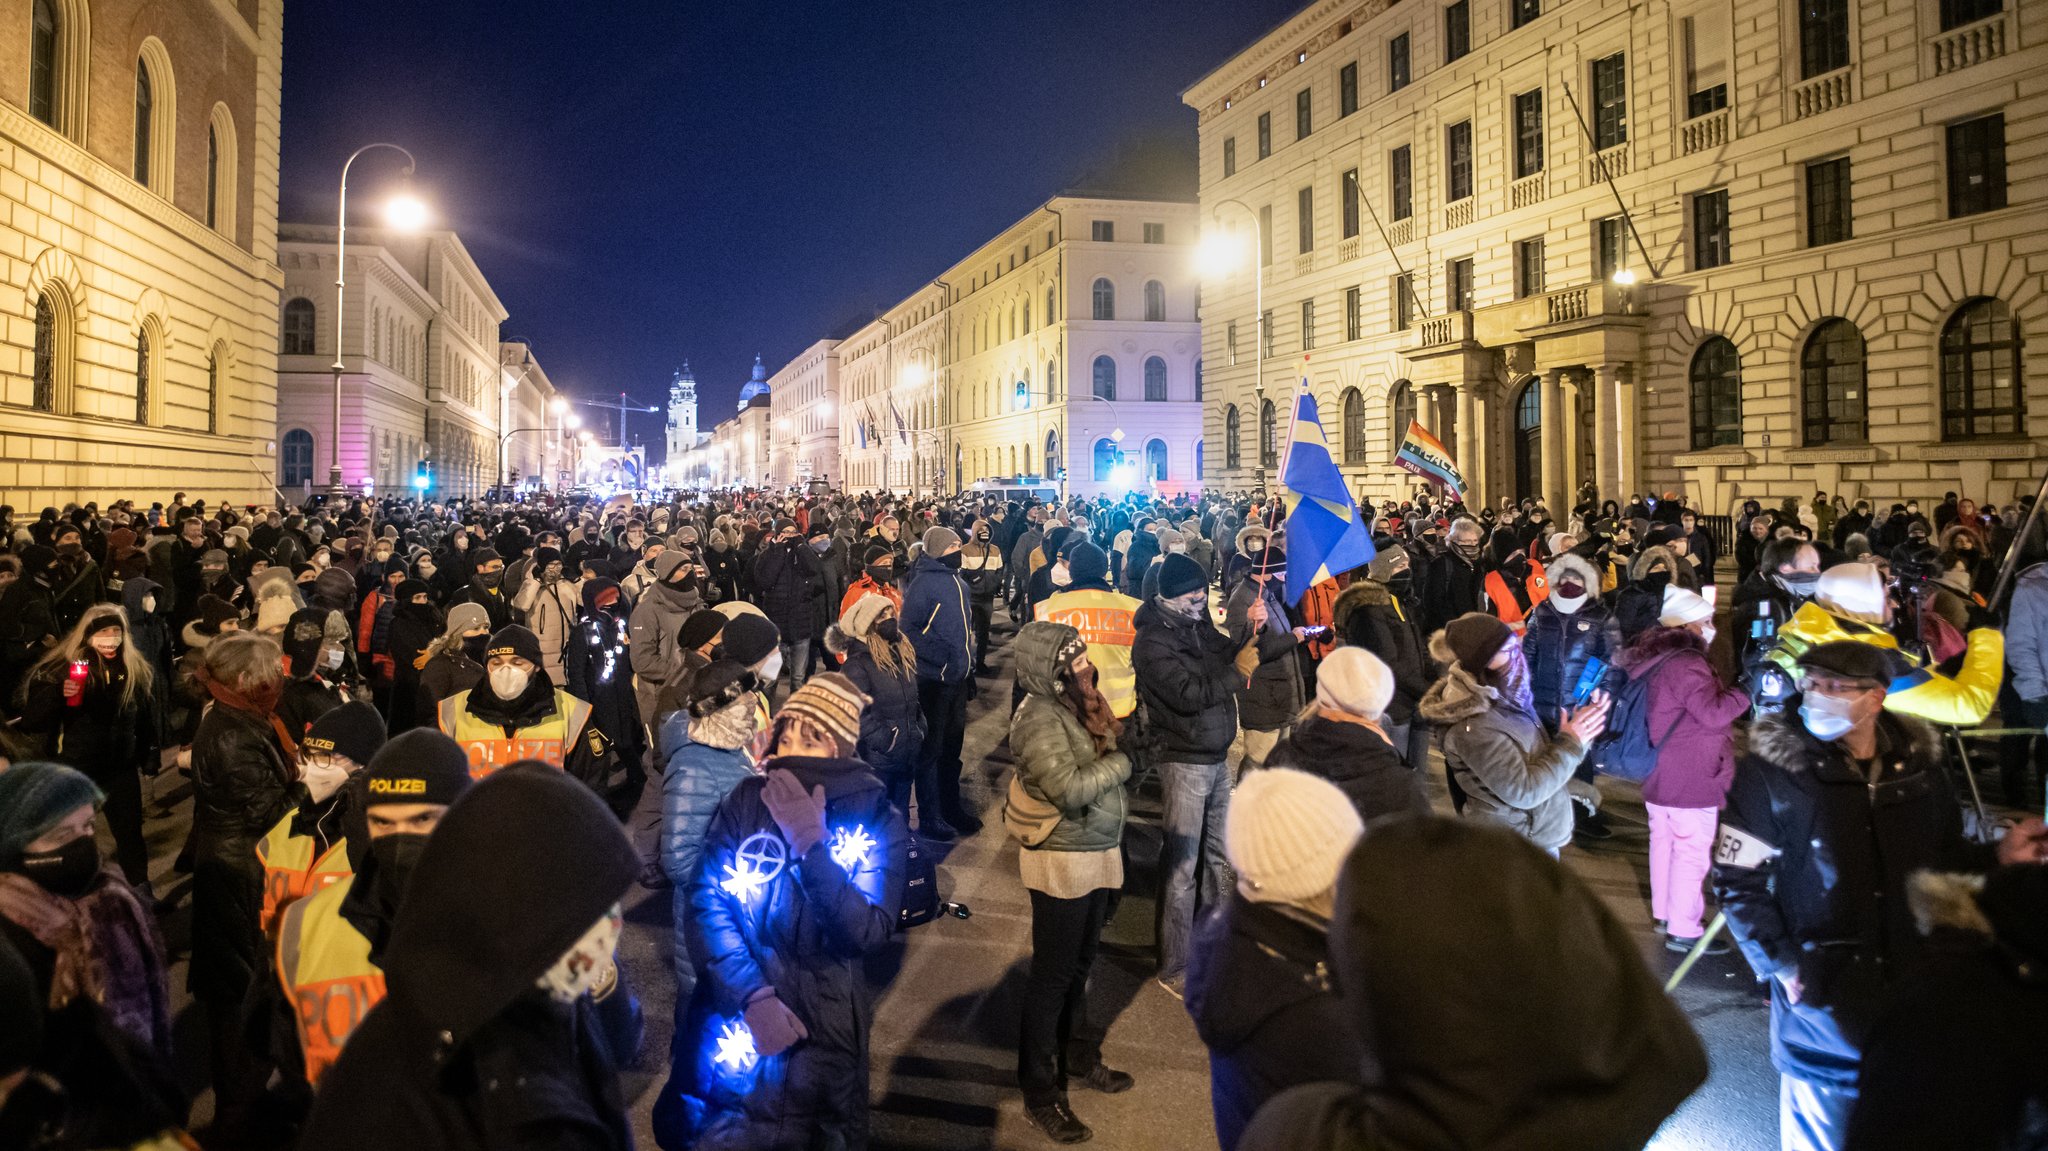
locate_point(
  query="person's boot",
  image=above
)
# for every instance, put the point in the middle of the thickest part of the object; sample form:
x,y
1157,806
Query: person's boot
x,y
1059,1122
1106,1079
1590,824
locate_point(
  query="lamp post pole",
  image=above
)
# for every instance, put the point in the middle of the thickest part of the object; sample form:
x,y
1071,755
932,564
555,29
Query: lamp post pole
x,y
1259,328
336,488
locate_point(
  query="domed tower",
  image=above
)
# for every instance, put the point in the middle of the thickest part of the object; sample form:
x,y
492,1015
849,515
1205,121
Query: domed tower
x,y
757,384
682,413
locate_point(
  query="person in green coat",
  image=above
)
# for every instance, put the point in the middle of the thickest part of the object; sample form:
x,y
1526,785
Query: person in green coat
x,y
1070,819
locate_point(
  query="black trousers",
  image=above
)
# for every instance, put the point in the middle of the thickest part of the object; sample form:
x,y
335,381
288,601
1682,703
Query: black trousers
x,y
981,612
123,786
1056,1041
945,726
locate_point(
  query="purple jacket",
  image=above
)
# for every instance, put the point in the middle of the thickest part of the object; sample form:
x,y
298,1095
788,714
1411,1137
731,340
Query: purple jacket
x,y
1696,760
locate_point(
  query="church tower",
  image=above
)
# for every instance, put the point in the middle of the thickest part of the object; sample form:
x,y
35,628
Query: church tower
x,y
682,413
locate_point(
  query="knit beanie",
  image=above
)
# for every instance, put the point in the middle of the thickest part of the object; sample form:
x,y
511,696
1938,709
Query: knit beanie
x,y
1355,681
514,640
542,557
666,563
720,683
464,618
1087,564
418,766
1179,575
749,638
702,626
831,701
213,612
1390,562
875,554
1474,638
862,613
938,541
1682,607
1855,590
276,611
354,731
1286,836
35,797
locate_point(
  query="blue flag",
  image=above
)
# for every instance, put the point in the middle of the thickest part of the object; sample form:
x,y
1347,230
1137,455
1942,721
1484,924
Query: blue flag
x,y
1326,535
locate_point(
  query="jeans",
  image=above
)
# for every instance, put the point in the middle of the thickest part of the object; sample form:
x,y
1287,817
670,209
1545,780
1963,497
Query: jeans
x,y
1681,851
1812,1117
1054,1042
1191,860
1411,739
794,652
945,725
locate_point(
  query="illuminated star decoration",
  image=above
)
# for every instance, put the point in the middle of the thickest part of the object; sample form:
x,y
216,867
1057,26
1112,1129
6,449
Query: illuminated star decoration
x,y
735,1047
757,861
850,848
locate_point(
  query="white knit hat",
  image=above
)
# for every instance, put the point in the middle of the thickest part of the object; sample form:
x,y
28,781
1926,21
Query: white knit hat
x,y
1682,607
1853,590
1287,833
862,613
1354,680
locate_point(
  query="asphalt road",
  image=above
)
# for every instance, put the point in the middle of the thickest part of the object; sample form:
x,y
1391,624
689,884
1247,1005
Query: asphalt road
x,y
944,1044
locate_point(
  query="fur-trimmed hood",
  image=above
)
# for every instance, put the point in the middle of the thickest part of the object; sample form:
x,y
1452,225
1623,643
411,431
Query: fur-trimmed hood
x,y
1458,695
2006,910
1682,574
1783,742
1249,532
1570,564
1359,593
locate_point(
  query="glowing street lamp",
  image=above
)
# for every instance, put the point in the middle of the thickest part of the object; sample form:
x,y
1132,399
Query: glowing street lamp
x,y
404,211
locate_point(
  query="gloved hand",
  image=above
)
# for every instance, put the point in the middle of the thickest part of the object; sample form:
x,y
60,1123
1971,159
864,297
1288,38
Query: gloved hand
x,y
800,816
776,1028
322,777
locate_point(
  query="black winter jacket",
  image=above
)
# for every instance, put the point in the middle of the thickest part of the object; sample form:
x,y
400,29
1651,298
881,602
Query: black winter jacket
x,y
786,581
242,784
1367,614
1450,588
892,725
1365,767
1270,699
1187,681
1559,647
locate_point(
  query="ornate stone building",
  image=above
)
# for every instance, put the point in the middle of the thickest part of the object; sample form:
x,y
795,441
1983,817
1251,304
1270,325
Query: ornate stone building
x,y
1742,248
803,410
138,165
682,418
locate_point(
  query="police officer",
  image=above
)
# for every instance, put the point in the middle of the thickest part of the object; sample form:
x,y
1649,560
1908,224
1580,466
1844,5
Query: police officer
x,y
517,713
307,850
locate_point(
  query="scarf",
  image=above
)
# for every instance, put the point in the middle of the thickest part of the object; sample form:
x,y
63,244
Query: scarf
x,y
106,949
1091,707
730,727
262,705
1511,683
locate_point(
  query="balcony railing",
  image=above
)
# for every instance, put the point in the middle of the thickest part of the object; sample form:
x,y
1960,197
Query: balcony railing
x,y
1824,92
1527,190
1450,328
1513,321
1304,263
1458,215
1704,132
1609,165
1349,250
1401,232
1959,48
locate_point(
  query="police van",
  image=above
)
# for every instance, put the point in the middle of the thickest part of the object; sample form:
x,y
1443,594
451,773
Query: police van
x,y
1018,489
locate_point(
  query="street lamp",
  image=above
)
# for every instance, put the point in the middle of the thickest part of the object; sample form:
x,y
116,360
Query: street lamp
x,y
403,211
1219,255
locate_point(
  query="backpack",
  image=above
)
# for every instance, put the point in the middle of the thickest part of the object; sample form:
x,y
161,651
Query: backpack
x,y
920,887
1625,750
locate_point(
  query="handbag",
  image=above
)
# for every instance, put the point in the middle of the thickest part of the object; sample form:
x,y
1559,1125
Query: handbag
x,y
1029,821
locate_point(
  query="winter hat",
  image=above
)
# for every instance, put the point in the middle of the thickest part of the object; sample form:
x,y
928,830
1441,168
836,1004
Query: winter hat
x,y
1682,607
1474,638
1854,590
419,766
875,554
719,684
354,731
464,618
1388,563
273,613
408,588
1272,561
211,557
482,556
1087,564
860,616
215,611
702,626
542,557
1179,575
1286,835
831,701
35,797
749,638
1844,657
938,541
1355,681
1557,542
666,563
1170,540
515,640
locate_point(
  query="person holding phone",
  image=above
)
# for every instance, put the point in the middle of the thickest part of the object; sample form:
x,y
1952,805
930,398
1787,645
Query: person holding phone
x,y
1570,632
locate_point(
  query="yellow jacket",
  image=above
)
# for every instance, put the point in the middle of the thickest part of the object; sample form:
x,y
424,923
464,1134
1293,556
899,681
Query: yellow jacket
x,y
1960,702
1104,620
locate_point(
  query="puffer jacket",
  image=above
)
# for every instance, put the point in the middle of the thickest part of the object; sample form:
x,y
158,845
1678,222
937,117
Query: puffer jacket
x,y
1512,774
1692,717
1368,615
1963,700
707,758
891,725
786,581
1186,681
1056,758
2026,633
1270,698
1560,644
242,786
1363,765
935,618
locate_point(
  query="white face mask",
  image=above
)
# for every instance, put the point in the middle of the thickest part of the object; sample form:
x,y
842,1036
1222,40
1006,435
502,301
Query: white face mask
x,y
1707,635
587,963
771,668
1568,604
148,604
1825,716
108,646
1060,576
333,658
509,680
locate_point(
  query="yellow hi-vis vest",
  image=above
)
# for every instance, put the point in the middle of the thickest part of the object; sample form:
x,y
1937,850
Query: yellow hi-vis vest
x,y
487,746
1104,620
323,962
291,871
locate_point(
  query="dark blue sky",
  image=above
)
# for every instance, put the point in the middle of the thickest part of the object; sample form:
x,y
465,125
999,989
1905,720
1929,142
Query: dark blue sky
x,y
645,183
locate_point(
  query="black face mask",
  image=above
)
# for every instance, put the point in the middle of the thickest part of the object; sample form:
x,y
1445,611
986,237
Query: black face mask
x,y
1400,584
395,857
67,871
473,646
889,631
881,573
489,579
951,561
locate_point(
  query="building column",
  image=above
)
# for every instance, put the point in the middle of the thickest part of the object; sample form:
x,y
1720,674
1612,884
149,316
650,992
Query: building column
x,y
1574,473
1606,442
1467,443
1628,467
1552,418
1482,444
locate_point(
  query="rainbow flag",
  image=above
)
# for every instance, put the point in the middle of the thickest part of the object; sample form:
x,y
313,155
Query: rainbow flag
x,y
1421,454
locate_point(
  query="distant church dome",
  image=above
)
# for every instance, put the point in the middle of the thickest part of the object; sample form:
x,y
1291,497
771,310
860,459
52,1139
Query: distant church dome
x,y
757,385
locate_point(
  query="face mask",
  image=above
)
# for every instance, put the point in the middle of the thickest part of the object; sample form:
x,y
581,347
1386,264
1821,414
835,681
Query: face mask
x,y
889,631
1255,547
951,561
383,556
1469,551
489,579
1060,576
509,681
473,646
148,604
1189,607
1707,635
587,962
771,668
1826,717
1568,604
981,536
67,871
333,659
321,561
1800,584
822,544
427,571
395,857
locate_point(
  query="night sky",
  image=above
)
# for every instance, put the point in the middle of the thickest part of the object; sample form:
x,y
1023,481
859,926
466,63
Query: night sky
x,y
645,183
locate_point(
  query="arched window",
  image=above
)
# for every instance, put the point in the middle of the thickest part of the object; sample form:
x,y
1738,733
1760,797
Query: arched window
x,y
1155,301
1052,383
1198,461
1052,300
45,399
1155,461
1027,318
212,177
221,166
1354,426
142,377
1716,395
1053,462
1529,440
1401,414
145,112
213,392
156,118
1831,381
1230,438
298,327
1198,379
295,459
42,63
1269,444
1105,299
1105,460
1155,379
1981,392
1105,378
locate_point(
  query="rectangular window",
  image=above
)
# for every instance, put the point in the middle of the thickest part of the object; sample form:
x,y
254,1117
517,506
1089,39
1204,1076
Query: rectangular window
x,y
1823,37
1704,38
1347,194
1347,89
1265,134
1710,229
1305,220
1458,161
1266,330
1827,202
1397,63
1308,325
1301,115
1155,233
1976,165
1354,314
1528,133
1610,102
1956,13
1230,341
1404,301
1608,239
1458,285
1230,156
1401,179
1266,234
1457,30
1528,268
1520,12
1102,231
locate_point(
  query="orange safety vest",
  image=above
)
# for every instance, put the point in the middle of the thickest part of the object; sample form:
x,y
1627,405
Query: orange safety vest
x,y
1104,620
489,748
1505,606
291,871
324,965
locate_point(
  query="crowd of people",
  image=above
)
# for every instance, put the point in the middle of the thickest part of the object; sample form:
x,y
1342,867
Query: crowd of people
x,y
431,748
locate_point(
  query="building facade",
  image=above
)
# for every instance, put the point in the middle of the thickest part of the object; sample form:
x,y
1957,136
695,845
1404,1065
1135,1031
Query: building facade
x,y
892,432
1738,248
803,411
422,376
139,166
736,452
532,427
682,419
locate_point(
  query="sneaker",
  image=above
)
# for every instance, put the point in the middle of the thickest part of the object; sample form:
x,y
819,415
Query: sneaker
x,y
653,878
1591,826
936,830
1059,1123
1717,946
1176,986
1107,1079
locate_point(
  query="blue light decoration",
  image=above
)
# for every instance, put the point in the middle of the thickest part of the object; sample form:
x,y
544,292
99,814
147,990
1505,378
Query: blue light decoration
x,y
755,864
735,1048
850,848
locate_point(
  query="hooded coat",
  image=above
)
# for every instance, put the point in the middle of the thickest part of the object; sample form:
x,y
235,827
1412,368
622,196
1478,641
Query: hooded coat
x,y
414,627
1513,774
1367,614
597,669
1363,765
1056,758
1560,644
1187,682
1692,718
892,727
1505,1006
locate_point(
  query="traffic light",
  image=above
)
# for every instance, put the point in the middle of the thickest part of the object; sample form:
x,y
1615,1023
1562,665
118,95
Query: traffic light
x,y
421,476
